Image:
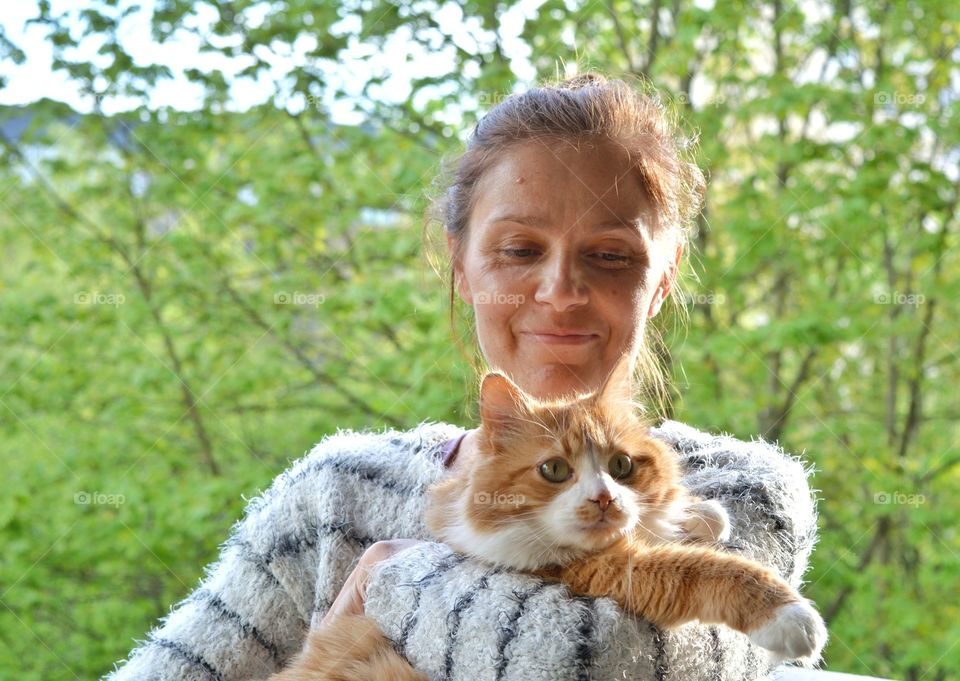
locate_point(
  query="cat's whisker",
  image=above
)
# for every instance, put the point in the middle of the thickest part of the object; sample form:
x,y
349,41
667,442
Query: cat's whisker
x,y
539,423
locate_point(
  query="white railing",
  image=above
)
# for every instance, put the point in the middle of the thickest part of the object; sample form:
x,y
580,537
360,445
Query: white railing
x,y
801,674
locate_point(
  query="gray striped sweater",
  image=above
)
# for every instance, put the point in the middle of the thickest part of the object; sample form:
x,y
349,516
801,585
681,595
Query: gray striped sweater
x,y
285,561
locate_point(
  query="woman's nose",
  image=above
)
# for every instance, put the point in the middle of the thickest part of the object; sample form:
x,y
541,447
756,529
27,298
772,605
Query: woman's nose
x,y
561,283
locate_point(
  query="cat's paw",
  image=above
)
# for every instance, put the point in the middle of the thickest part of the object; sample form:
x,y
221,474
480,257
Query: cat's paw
x,y
706,521
796,632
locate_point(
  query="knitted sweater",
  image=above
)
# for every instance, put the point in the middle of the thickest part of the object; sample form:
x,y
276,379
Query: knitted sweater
x,y
454,618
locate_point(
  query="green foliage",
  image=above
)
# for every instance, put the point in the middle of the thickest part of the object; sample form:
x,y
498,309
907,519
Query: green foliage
x,y
191,299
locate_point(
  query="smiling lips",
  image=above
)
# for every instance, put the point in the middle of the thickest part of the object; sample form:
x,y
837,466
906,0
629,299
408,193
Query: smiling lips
x,y
562,336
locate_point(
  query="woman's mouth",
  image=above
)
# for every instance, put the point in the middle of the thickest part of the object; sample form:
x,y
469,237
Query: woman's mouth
x,y
563,338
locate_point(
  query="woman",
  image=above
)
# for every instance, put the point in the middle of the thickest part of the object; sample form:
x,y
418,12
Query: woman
x,y
566,222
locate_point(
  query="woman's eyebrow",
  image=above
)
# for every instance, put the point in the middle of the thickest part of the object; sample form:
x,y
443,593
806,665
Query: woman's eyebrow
x,y
529,220
543,223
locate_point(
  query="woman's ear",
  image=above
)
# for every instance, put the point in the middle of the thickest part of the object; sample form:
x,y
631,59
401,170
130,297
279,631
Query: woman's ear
x,y
666,282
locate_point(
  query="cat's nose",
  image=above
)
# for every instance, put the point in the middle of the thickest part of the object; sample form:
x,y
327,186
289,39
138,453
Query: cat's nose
x,y
603,500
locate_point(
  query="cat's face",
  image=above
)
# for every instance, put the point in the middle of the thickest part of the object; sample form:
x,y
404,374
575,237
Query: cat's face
x,y
553,481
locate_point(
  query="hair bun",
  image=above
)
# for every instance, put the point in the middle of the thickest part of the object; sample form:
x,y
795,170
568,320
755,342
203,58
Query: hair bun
x,y
583,80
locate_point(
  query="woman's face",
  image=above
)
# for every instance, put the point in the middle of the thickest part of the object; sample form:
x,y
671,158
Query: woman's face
x,y
561,264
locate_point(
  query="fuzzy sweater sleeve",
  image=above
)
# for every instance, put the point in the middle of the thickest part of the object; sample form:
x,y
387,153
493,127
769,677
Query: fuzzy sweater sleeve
x,y
288,557
460,619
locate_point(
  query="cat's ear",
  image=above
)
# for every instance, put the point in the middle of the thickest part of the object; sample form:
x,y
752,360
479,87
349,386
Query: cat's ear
x,y
501,401
617,389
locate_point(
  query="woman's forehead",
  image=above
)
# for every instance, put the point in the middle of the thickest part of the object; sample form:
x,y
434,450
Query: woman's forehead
x,y
539,160
535,184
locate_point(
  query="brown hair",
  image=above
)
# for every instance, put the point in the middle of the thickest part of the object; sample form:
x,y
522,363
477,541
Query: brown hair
x,y
586,106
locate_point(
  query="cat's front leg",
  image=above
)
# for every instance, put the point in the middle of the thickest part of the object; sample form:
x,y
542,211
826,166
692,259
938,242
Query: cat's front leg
x,y
670,585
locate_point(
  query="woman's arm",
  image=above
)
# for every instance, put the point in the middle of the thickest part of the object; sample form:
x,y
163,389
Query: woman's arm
x,y
285,561
240,622
765,491
460,619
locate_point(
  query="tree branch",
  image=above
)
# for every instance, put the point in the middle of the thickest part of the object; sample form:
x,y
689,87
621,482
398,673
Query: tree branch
x,y
305,361
621,38
883,527
652,44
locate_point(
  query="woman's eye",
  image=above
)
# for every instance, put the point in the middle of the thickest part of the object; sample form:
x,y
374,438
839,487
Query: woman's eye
x,y
606,257
518,252
555,470
614,257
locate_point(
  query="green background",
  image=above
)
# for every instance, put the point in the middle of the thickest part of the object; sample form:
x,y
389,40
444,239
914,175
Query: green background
x,y
189,300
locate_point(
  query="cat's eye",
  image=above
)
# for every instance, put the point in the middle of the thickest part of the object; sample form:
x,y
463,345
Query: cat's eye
x,y
620,466
555,470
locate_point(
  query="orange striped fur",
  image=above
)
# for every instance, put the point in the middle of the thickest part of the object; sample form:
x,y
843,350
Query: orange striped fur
x,y
350,648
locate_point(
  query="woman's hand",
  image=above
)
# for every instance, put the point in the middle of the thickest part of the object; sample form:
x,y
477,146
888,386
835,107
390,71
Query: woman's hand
x,y
351,597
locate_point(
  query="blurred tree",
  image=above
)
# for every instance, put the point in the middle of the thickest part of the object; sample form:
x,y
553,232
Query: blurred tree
x,y
192,298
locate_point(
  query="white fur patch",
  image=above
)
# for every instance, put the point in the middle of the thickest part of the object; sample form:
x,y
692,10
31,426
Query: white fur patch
x,y
796,632
662,524
517,544
707,521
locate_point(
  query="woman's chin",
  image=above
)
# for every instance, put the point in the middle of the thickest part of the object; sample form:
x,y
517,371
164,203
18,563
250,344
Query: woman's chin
x,y
557,379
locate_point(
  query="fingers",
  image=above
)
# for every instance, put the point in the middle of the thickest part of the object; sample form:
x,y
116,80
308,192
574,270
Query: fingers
x,y
348,602
382,550
351,598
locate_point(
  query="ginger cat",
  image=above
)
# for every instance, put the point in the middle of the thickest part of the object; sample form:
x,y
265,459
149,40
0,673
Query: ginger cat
x,y
594,502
